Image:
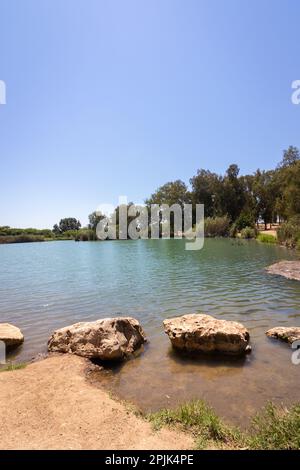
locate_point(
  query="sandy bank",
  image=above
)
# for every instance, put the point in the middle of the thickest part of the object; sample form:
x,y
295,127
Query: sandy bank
x,y
51,405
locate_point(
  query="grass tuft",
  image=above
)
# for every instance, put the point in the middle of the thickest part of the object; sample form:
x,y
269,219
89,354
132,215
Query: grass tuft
x,y
266,238
12,366
276,427
200,419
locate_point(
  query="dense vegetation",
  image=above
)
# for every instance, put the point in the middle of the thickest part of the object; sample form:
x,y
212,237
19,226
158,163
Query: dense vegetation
x,y
274,428
238,204
18,235
234,205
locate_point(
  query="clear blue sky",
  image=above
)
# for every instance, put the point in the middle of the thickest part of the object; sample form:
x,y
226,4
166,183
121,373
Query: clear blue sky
x,y
116,97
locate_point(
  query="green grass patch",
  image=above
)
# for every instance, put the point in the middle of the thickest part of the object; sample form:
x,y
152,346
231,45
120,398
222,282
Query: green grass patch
x,y
201,420
12,366
275,427
266,238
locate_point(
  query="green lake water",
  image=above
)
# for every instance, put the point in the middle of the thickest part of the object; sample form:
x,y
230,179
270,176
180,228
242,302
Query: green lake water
x,y
44,286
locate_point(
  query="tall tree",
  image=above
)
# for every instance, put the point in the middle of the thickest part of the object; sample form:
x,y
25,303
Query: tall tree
x,y
207,190
69,223
174,192
290,157
94,219
265,195
233,194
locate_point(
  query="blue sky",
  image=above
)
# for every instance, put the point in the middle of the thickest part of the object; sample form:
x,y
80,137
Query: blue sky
x,y
116,97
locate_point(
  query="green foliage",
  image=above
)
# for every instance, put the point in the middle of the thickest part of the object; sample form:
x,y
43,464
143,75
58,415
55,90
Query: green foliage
x,y
289,232
174,192
244,220
200,419
290,157
85,235
21,239
274,428
216,226
266,238
248,232
246,199
12,366
207,190
94,219
9,231
66,225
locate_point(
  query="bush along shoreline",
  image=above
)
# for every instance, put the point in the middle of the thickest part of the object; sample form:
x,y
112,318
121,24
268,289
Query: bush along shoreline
x,y
287,234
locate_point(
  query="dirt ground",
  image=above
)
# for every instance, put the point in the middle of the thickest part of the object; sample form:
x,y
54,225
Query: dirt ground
x,y
51,405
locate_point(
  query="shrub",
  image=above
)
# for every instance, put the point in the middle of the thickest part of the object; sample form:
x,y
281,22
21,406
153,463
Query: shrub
x,y
216,226
245,220
85,235
248,232
266,238
289,232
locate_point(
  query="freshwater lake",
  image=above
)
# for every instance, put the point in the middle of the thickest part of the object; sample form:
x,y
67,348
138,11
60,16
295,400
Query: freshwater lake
x,y
45,286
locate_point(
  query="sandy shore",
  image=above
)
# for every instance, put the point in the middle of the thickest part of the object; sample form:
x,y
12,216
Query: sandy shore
x,y
51,405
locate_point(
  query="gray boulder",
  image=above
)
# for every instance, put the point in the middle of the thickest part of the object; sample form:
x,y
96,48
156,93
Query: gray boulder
x,y
206,334
106,339
11,335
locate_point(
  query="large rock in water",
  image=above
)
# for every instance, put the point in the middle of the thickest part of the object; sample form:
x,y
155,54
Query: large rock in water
x,y
288,269
203,333
106,339
11,335
289,334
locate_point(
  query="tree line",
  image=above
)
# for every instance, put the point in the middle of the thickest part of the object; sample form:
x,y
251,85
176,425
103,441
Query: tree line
x,y
269,196
232,202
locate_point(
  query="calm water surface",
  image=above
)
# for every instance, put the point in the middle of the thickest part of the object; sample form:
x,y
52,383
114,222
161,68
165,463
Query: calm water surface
x,y
44,286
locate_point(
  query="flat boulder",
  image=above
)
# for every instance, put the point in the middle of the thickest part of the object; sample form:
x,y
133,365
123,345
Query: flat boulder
x,y
206,334
106,339
288,269
289,334
11,335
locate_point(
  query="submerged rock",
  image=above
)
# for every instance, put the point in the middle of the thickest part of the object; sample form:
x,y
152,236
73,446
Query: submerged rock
x,y
288,334
106,339
204,333
11,335
288,269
